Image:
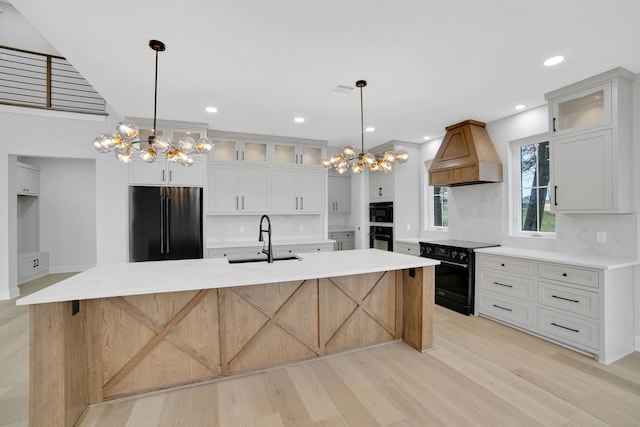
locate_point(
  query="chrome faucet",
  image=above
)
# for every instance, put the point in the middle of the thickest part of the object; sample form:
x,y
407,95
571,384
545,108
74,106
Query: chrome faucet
x,y
269,250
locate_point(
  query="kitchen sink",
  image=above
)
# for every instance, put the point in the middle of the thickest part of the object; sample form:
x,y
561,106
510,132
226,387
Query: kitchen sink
x,y
242,261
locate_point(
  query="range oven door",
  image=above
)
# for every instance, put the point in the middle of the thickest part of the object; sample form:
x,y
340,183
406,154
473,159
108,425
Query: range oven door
x,y
453,285
381,237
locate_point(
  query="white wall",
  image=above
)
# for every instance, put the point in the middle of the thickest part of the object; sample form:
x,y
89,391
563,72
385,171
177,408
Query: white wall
x,y
17,32
62,136
67,205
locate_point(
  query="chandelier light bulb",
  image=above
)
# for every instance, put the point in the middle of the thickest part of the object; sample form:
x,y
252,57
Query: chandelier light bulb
x,y
124,157
187,145
402,156
127,130
204,146
149,155
389,157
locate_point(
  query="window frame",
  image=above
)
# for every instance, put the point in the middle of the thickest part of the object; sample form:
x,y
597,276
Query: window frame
x,y
515,187
429,216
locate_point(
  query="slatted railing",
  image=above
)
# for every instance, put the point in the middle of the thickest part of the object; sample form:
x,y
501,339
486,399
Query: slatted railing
x,y
37,80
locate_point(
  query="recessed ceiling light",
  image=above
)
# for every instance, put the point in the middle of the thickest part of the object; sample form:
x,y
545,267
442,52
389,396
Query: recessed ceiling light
x,y
426,138
370,129
520,107
555,60
299,120
211,110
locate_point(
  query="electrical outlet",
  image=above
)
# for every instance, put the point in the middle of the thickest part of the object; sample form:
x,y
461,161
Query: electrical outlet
x,y
601,236
300,227
408,227
242,228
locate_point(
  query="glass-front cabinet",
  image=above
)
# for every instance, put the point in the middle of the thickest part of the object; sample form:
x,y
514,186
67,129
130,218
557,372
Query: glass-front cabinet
x,y
230,150
297,154
582,110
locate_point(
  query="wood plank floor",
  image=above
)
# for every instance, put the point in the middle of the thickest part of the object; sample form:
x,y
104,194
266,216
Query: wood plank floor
x,y
480,373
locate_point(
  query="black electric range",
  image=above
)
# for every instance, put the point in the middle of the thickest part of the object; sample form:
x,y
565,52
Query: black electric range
x,y
455,276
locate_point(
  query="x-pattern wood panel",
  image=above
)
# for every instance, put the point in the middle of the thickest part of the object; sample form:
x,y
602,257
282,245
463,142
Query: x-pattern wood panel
x,y
273,313
162,333
364,305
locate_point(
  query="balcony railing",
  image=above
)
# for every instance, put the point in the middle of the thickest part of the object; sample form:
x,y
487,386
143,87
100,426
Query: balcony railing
x,y
37,80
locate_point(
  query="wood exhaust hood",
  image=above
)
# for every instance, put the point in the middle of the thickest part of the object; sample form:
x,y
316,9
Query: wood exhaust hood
x,y
466,156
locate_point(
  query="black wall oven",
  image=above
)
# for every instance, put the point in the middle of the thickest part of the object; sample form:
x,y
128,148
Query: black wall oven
x,y
381,237
455,276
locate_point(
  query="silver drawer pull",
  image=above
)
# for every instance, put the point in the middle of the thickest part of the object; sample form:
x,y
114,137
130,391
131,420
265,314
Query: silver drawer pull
x,y
502,308
502,284
565,327
564,299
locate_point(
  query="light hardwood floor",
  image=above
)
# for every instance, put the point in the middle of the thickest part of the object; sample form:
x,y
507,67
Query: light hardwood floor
x,y
480,373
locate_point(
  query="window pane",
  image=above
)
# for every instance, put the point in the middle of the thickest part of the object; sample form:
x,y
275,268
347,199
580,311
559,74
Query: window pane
x,y
526,208
528,165
440,210
548,218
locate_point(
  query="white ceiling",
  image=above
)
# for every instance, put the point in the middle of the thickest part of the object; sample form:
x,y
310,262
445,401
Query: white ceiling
x,y
429,63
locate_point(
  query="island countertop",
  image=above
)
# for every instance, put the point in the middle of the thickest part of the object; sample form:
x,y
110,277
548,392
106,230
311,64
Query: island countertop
x,y
210,273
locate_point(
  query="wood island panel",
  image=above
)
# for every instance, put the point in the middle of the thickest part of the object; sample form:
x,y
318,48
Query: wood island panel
x,y
123,346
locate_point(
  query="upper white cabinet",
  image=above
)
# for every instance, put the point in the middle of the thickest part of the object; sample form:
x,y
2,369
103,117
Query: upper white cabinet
x,y
339,193
297,190
27,180
235,150
237,189
162,172
591,141
381,185
297,154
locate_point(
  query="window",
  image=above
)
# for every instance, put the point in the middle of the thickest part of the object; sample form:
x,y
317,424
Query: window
x,y
532,196
437,204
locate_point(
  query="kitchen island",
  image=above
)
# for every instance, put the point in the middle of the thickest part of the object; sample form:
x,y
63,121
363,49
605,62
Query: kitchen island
x,y
121,330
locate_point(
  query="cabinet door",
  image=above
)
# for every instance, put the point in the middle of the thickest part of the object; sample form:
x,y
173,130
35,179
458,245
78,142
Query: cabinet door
x,y
339,194
310,155
284,154
190,176
255,189
224,150
284,190
312,194
143,173
348,243
222,189
582,110
28,181
582,172
255,152
380,186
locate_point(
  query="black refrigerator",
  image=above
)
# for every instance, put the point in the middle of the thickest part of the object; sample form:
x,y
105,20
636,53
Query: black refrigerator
x,y
165,223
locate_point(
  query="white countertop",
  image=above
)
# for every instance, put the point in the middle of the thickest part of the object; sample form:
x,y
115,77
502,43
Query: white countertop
x,y
255,243
211,273
578,260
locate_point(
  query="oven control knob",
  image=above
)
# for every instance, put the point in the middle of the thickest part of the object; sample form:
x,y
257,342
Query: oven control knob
x,y
463,257
454,254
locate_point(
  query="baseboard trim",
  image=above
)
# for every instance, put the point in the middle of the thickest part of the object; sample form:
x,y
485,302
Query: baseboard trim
x,y
7,294
70,268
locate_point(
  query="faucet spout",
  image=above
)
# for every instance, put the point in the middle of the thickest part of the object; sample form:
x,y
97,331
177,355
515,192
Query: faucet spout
x,y
269,250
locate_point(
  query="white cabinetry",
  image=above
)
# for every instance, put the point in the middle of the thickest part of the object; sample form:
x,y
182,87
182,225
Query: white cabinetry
x,y
33,265
344,240
297,190
27,180
587,309
297,154
591,141
381,185
162,172
237,189
237,150
339,193
406,248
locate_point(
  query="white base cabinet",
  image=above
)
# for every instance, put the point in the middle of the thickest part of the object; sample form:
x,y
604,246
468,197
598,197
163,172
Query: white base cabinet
x,y
406,248
585,309
279,250
31,266
344,240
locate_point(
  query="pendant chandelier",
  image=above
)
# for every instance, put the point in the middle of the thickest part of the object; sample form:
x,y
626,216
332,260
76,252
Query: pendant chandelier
x,y
126,142
364,160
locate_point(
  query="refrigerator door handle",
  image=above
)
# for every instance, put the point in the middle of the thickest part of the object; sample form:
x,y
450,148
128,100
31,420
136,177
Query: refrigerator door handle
x,y
167,220
162,224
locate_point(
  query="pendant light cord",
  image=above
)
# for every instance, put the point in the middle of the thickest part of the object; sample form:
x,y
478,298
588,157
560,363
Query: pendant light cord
x,y
155,97
361,120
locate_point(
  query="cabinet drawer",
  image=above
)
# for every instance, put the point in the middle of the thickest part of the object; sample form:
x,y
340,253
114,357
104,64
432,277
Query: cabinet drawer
x,y
514,286
224,252
285,251
406,248
509,265
578,276
569,299
320,247
568,328
507,309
